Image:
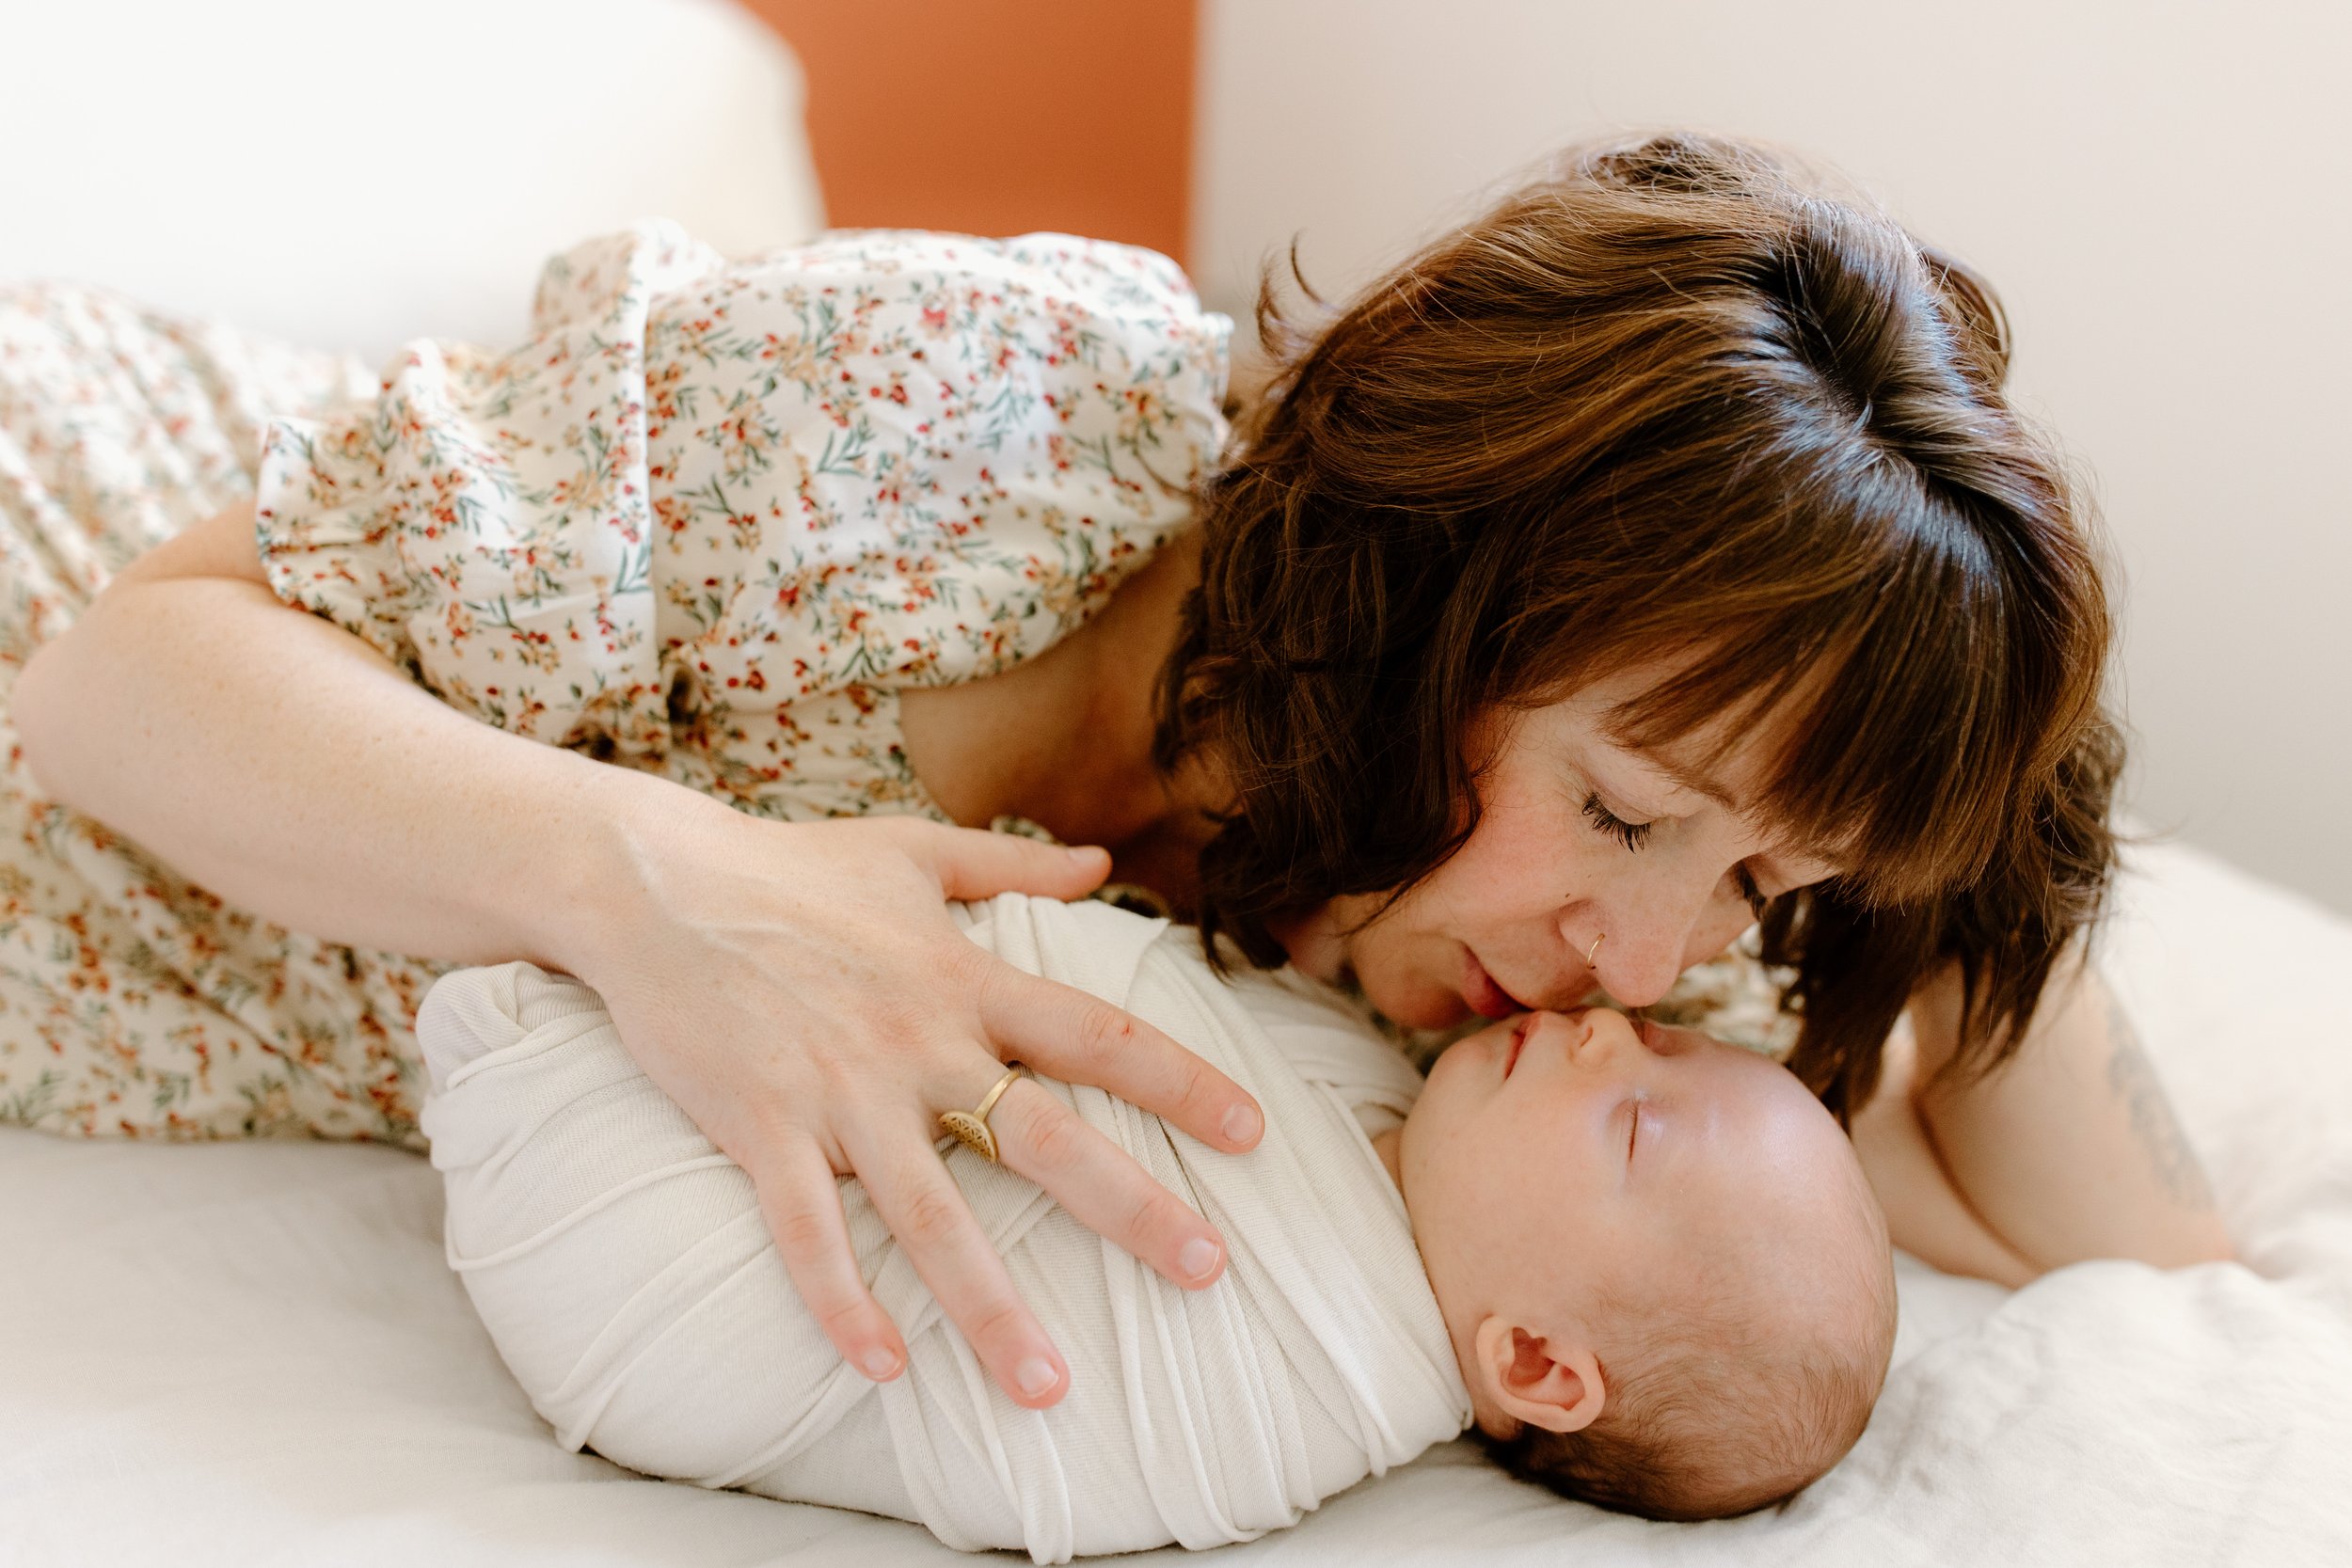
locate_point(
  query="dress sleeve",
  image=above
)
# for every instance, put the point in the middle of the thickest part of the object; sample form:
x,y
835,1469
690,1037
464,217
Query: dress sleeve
x,y
894,458
713,508
486,522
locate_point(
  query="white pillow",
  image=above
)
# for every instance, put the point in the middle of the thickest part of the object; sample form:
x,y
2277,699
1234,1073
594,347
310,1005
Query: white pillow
x,y
349,176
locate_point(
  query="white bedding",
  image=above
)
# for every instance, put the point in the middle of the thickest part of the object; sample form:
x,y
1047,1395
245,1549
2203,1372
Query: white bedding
x,y
254,1354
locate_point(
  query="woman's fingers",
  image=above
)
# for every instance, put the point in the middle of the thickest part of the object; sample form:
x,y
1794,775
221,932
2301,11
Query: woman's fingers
x,y
921,1204
800,1200
833,934
1103,1187
1065,1033
971,863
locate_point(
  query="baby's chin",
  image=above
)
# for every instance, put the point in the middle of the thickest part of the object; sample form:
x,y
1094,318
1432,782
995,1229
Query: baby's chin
x,y
1480,1046
1452,1084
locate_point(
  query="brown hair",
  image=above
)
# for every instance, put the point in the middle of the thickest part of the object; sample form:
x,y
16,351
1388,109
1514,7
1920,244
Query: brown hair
x,y
1668,400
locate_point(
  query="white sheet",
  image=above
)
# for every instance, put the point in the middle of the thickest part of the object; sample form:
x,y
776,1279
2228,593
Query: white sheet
x,y
254,1354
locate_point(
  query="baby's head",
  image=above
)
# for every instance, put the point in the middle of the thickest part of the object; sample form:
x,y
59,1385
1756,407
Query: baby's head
x,y
1665,1276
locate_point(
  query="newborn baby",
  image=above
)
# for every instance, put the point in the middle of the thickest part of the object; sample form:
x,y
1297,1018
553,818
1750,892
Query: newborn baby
x,y
1643,1263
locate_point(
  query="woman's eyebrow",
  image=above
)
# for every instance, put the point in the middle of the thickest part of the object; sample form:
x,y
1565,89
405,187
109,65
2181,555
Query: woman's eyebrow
x,y
1704,784
1697,783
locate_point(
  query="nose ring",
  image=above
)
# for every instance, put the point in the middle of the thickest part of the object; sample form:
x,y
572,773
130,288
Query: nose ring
x,y
1595,948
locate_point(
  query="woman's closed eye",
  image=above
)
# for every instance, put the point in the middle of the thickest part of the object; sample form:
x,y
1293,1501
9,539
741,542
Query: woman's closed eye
x,y
1631,834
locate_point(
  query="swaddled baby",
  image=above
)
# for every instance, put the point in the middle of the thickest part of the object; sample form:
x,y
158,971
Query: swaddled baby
x,y
1644,1265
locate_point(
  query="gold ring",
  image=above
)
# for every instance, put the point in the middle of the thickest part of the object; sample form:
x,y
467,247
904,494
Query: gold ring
x,y
1595,948
970,1128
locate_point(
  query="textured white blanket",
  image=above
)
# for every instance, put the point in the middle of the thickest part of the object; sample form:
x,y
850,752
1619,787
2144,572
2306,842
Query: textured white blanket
x,y
622,1266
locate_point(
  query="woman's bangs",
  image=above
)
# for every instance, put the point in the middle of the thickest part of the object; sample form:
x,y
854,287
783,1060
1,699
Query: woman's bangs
x,y
1878,756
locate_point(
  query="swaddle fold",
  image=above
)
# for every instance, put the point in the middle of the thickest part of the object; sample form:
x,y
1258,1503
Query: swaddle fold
x,y
622,1266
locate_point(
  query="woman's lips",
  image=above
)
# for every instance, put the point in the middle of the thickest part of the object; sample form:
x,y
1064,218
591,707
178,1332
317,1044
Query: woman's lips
x,y
1485,998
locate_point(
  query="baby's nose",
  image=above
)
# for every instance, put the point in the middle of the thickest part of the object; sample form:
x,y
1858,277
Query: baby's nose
x,y
1602,1033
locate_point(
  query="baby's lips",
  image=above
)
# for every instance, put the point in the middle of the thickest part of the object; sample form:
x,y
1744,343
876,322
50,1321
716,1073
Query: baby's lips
x,y
1519,1042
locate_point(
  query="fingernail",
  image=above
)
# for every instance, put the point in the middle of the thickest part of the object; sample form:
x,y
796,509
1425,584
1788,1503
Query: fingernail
x,y
1198,1259
1084,854
1242,1123
880,1364
1035,1376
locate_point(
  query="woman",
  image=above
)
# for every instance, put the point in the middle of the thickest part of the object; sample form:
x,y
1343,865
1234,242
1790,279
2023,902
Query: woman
x,y
1653,554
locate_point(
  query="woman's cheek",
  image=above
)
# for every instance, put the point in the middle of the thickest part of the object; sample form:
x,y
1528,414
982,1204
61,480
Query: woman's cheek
x,y
1528,858
1716,931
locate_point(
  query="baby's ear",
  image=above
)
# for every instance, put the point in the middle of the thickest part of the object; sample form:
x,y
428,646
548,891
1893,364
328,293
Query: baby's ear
x,y
1553,1382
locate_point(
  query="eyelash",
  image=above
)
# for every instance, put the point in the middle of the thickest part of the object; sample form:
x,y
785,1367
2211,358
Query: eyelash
x,y
1631,834
1749,891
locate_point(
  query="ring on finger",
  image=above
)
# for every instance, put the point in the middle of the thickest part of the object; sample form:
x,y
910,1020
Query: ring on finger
x,y
970,1128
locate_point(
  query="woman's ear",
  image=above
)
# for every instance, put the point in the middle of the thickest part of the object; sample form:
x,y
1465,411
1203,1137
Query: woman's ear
x,y
1553,1382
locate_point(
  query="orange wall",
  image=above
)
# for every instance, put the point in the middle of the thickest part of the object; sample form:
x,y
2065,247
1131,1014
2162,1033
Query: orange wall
x,y
994,117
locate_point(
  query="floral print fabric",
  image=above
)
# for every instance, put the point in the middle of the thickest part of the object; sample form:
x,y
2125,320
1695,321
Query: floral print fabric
x,y
712,516
707,521
132,1002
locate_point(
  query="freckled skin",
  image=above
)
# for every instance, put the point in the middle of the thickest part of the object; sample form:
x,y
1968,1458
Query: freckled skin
x,y
1525,898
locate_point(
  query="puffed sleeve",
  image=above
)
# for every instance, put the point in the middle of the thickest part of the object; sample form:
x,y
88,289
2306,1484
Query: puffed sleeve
x,y
486,522
893,458
714,508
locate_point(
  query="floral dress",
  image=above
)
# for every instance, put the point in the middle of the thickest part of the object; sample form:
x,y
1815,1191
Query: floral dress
x,y
707,521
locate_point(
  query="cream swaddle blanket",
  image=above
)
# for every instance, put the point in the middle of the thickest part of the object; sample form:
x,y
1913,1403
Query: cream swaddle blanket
x,y
622,1266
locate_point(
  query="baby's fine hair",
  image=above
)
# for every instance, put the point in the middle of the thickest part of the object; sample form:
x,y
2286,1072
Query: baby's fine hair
x,y
1710,1411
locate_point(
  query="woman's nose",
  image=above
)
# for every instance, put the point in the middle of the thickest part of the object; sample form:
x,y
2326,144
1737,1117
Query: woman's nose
x,y
1644,951
1641,969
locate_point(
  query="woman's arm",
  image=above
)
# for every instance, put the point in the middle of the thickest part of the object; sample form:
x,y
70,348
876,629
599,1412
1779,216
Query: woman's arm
x,y
797,988
2069,1150
285,766
1926,1215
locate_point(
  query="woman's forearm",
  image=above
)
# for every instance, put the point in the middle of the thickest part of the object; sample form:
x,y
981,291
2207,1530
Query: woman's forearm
x,y
2070,1149
285,766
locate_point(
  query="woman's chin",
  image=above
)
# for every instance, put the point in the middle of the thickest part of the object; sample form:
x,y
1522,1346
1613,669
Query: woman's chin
x,y
1312,945
1318,949
1415,1005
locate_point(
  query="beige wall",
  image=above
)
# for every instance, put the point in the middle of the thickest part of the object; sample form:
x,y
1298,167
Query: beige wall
x,y
2162,192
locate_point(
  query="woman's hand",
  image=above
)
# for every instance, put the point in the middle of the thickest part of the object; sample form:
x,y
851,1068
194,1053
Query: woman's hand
x,y
800,990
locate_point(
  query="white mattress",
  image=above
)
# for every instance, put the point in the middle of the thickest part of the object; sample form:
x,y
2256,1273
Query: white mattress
x,y
253,1354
